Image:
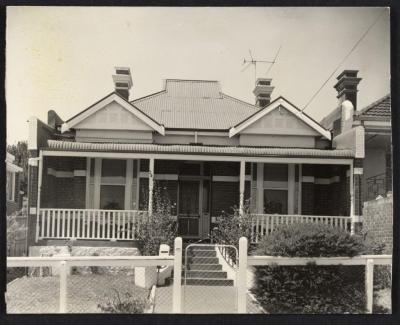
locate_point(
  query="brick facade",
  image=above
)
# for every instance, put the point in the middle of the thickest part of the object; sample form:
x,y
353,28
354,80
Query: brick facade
x,y
63,192
325,199
378,220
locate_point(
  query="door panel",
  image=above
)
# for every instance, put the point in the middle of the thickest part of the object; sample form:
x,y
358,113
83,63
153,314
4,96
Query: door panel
x,y
188,219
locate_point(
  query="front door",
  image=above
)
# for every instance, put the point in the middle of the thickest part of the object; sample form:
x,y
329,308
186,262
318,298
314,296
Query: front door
x,y
189,211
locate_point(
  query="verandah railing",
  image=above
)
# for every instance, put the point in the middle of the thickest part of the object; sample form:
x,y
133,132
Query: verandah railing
x,y
264,224
89,224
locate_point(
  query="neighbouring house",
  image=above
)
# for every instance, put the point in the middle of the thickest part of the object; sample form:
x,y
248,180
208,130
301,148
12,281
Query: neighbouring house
x,y
93,176
375,119
13,194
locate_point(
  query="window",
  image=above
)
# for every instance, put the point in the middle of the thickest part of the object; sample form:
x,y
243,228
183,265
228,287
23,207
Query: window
x,y
10,186
276,201
276,188
112,190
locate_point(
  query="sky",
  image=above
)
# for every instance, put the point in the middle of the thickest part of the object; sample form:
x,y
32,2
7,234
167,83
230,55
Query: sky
x,y
63,58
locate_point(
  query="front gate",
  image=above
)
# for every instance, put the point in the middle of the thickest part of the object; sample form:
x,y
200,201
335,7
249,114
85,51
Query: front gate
x,y
210,279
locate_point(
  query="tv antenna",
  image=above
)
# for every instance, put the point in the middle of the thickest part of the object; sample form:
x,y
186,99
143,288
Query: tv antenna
x,y
253,62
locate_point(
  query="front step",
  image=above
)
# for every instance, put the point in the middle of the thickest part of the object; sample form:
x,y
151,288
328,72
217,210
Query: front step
x,y
202,260
206,274
202,253
208,282
204,267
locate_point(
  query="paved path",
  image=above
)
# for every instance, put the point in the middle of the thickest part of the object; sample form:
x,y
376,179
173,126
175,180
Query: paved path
x,y
202,300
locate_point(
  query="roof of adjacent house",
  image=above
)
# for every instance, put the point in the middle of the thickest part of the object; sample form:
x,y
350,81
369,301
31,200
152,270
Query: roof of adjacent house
x,y
200,150
379,108
194,104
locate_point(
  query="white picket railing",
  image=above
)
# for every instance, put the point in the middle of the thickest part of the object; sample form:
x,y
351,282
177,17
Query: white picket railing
x,y
263,224
89,224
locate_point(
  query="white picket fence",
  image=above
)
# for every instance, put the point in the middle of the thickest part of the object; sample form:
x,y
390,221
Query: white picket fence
x,y
66,262
88,224
263,224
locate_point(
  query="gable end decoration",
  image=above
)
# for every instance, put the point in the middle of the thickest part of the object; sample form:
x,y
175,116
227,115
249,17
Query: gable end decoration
x,y
104,102
280,101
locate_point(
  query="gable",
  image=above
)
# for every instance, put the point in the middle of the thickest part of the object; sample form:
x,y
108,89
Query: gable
x,y
113,117
113,112
280,121
296,122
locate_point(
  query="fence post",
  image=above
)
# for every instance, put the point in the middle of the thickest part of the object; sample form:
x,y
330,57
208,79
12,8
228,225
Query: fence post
x,y
177,287
63,270
242,276
369,284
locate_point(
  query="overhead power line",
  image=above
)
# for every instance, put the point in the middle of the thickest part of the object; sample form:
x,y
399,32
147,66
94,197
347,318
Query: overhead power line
x,y
345,58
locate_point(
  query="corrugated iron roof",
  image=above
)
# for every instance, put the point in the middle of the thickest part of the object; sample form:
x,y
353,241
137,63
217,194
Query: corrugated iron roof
x,y
202,150
380,108
194,104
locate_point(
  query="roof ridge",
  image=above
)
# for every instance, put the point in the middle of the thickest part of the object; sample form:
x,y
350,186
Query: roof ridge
x,y
376,102
148,96
238,100
191,80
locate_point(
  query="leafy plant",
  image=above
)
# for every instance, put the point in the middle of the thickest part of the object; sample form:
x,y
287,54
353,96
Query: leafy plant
x,y
311,288
233,226
124,304
158,228
13,229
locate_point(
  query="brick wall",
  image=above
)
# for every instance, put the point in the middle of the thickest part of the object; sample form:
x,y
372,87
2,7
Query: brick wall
x,y
378,220
325,199
63,192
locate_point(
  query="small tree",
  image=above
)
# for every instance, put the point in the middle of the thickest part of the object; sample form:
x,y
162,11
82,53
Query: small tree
x,y
158,228
233,226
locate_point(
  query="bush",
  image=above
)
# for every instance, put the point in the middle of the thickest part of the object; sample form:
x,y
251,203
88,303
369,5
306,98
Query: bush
x,y
233,226
311,288
125,305
159,228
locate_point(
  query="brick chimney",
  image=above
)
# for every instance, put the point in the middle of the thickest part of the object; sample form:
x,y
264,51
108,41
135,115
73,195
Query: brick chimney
x,y
347,87
122,81
263,91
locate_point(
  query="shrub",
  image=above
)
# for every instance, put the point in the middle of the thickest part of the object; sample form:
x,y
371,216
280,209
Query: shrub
x,y
160,227
14,229
311,288
127,304
233,226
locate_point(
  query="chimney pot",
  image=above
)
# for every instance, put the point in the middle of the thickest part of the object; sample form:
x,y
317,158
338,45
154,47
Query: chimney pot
x,y
122,81
262,91
347,86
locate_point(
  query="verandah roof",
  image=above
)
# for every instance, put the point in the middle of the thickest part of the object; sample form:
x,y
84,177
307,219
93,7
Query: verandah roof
x,y
57,145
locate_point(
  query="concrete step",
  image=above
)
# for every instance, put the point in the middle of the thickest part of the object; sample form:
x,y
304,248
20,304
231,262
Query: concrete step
x,y
202,260
201,253
206,274
208,282
204,267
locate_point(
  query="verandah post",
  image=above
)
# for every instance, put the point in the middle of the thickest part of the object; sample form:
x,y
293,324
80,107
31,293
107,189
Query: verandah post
x,y
241,186
351,181
40,176
177,286
151,185
242,276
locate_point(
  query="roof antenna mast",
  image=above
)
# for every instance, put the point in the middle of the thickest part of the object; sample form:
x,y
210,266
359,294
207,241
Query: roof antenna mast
x,y
253,62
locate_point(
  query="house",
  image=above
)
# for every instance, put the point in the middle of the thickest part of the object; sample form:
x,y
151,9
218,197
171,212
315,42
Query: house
x,y
375,119
13,195
93,176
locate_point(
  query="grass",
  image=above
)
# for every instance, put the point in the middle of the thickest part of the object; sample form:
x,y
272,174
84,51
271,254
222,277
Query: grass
x,y
85,292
